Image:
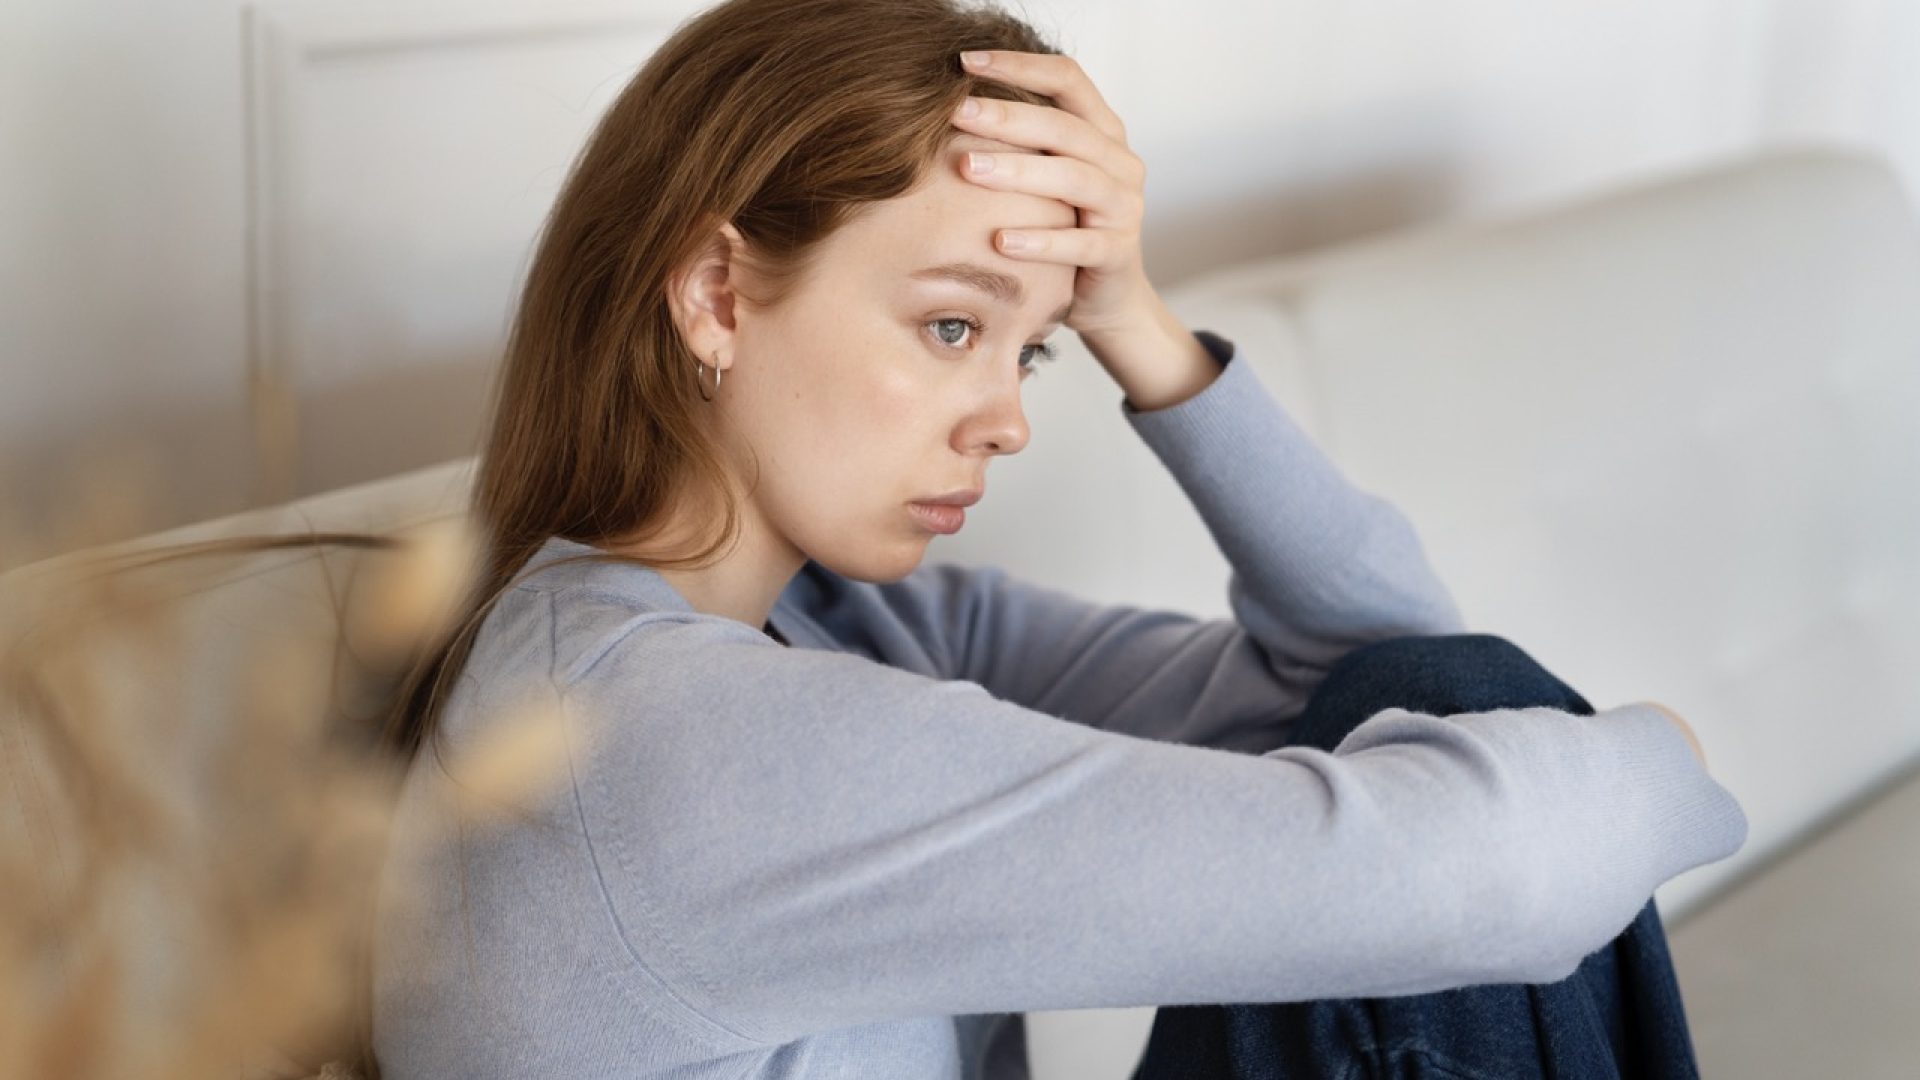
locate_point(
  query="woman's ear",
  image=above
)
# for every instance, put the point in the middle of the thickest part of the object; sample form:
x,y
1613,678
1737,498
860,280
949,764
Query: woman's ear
x,y
702,296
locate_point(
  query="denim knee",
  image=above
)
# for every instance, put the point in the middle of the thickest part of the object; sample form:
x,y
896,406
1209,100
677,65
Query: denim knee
x,y
1440,675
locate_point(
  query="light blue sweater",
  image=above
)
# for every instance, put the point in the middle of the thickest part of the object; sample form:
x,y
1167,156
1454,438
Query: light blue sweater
x,y
962,795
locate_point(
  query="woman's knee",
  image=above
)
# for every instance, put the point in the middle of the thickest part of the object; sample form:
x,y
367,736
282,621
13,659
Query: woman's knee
x,y
1439,674
1425,652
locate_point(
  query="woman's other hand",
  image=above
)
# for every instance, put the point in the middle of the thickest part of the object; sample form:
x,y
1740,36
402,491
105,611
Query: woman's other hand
x,y
1692,740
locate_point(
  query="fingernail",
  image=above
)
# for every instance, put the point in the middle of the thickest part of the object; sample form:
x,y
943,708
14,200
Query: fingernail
x,y
1012,241
969,109
979,163
974,59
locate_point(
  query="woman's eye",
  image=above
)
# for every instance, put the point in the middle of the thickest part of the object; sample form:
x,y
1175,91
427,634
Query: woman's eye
x,y
949,331
1044,353
970,325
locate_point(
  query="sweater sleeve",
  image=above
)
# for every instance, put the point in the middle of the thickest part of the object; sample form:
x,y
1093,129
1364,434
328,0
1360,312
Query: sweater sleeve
x,y
797,840
1318,567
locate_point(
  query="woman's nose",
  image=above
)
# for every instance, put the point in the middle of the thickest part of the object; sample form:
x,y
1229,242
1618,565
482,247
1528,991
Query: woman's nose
x,y
1000,426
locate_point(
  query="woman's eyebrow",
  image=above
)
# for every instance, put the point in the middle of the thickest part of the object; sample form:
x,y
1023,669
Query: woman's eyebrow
x,y
1002,287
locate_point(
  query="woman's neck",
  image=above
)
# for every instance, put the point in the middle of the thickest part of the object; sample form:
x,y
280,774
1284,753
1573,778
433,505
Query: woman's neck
x,y
744,584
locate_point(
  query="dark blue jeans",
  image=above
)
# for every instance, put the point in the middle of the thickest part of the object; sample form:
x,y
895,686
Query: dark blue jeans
x,y
1617,1016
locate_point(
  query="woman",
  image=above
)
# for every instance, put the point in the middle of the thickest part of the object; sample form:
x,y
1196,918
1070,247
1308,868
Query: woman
x,y
844,814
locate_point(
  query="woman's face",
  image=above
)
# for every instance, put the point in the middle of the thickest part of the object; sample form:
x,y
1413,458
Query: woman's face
x,y
866,389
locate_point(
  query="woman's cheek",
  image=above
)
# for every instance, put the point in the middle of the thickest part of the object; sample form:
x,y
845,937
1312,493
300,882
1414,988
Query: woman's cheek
x,y
903,389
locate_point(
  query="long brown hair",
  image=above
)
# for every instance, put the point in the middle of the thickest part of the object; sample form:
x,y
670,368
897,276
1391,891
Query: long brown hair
x,y
782,117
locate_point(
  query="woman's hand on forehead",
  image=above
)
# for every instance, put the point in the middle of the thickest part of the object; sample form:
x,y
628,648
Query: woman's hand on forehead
x,y
1085,162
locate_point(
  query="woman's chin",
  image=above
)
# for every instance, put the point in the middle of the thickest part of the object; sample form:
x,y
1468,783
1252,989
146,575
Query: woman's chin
x,y
881,565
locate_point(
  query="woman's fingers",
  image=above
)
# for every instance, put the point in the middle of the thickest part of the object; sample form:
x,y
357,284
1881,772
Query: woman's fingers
x,y
1686,730
1079,247
1084,162
1067,179
1058,76
1052,130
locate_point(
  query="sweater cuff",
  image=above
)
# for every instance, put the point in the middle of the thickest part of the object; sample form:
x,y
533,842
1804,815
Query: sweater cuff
x,y
1648,813
1682,804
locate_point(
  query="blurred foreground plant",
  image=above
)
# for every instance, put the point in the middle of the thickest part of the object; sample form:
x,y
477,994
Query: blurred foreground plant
x,y
190,842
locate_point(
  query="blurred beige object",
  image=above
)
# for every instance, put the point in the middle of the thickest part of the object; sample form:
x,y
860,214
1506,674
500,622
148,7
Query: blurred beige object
x,y
1662,438
195,808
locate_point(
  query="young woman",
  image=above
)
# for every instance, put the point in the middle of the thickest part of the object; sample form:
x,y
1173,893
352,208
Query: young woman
x,y
843,814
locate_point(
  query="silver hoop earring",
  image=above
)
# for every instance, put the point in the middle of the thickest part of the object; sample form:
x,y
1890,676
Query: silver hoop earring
x,y
700,376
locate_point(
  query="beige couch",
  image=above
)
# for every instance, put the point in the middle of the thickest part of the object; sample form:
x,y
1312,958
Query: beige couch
x,y
1663,438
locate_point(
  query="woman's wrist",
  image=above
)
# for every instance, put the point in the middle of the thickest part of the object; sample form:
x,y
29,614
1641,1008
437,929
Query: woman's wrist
x,y
1156,360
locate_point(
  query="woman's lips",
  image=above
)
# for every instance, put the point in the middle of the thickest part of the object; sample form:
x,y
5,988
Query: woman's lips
x,y
940,518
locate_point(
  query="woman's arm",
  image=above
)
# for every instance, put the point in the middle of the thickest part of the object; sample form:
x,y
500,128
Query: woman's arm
x,y
1319,568
798,840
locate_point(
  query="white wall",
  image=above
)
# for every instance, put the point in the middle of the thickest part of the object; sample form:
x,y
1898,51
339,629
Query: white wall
x,y
194,192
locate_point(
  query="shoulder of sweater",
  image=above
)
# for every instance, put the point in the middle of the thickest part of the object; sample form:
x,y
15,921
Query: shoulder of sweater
x,y
586,626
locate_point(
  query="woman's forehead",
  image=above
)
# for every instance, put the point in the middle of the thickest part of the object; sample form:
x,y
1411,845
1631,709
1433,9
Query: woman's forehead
x,y
946,220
